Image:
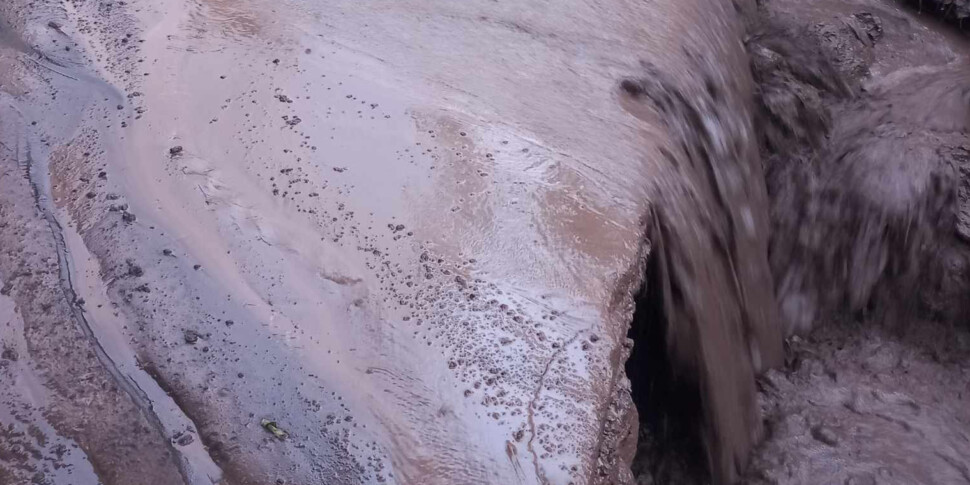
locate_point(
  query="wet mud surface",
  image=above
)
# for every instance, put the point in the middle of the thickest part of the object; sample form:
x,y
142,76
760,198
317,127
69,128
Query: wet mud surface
x,y
252,242
306,248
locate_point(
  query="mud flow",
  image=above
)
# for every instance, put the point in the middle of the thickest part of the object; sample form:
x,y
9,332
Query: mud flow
x,y
447,243
860,117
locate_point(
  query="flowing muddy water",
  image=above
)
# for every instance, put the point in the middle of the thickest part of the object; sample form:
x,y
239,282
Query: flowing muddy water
x,y
411,235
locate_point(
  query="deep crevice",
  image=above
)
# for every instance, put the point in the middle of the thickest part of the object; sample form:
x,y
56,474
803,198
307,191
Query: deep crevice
x,y
670,441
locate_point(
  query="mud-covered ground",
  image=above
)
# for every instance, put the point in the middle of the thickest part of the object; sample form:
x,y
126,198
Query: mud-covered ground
x,y
374,229
401,242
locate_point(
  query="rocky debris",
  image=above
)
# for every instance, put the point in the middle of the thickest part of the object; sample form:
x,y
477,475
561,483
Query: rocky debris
x,y
9,353
191,336
133,269
175,151
283,98
866,27
183,438
794,82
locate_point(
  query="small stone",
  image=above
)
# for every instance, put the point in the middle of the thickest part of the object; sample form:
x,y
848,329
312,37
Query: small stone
x,y
134,269
9,354
183,439
825,435
175,151
191,336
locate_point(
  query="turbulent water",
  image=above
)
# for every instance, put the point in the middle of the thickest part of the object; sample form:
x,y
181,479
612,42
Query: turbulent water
x,y
404,242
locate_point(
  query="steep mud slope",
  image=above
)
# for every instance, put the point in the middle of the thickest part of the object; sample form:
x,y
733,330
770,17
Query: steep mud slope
x,y
372,242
